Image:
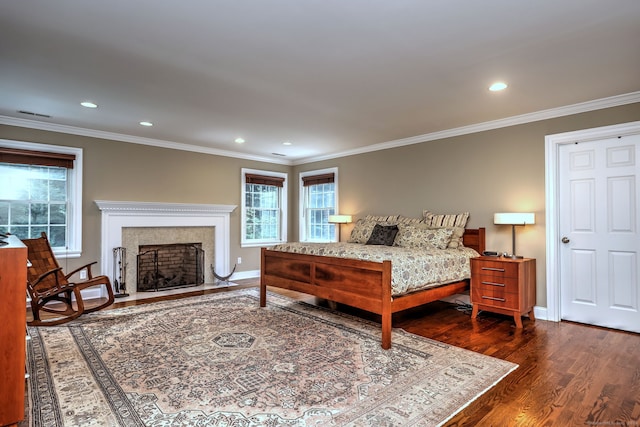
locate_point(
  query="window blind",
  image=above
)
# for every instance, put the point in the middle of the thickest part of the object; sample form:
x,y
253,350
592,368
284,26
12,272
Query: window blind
x,y
42,158
264,180
326,178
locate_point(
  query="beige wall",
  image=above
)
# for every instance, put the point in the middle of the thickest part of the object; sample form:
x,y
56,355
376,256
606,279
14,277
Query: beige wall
x,y
130,172
484,173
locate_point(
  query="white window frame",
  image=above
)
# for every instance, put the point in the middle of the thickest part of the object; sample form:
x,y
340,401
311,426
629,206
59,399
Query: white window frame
x,y
244,242
74,196
303,201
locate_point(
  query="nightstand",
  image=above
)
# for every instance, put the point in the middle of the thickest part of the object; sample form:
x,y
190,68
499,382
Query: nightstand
x,y
503,285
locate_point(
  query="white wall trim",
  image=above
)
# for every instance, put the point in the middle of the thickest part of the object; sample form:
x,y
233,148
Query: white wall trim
x,y
582,107
552,146
249,274
114,136
541,313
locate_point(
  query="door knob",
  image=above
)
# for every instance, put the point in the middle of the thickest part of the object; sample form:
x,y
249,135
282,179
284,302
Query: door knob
x,y
565,240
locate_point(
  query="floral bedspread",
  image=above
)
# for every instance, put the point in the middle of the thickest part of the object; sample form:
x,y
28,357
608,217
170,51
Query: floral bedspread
x,y
411,269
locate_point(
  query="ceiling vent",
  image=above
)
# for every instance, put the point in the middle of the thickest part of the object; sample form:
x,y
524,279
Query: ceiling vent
x,y
34,114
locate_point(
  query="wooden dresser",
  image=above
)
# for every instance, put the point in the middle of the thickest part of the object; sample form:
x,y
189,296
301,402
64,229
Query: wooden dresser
x,y
13,312
503,285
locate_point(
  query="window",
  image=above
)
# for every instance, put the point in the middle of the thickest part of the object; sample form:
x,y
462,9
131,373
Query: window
x,y
40,190
319,199
264,207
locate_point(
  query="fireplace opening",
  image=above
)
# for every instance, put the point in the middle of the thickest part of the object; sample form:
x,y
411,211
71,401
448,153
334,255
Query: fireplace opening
x,y
169,266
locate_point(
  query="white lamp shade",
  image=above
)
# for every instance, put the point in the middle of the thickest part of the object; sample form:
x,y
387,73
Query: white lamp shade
x,y
514,218
340,219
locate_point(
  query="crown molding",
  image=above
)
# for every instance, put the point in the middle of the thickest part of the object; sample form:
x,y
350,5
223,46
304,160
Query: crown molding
x,y
583,107
73,130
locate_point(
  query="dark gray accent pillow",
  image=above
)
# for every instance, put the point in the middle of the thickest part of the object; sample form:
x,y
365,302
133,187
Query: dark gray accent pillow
x,y
383,235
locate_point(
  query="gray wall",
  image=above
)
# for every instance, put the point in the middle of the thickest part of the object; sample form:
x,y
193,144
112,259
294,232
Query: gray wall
x,y
483,173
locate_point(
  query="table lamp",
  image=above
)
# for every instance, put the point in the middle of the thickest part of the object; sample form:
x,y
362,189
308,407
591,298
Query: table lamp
x,y
513,219
340,219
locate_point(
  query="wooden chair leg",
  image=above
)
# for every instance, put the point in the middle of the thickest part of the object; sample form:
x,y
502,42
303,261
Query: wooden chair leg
x,y
67,315
110,299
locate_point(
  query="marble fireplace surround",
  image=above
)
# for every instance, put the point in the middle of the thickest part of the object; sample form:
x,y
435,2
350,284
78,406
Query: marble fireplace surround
x,y
117,215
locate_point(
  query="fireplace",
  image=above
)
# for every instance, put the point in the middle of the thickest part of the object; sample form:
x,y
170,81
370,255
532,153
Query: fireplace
x,y
142,239
169,266
166,223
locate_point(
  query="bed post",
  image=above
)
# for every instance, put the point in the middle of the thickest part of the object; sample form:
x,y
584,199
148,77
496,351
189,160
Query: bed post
x,y
263,285
481,240
386,312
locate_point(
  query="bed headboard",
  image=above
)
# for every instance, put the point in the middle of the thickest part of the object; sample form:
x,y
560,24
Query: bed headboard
x,y
474,238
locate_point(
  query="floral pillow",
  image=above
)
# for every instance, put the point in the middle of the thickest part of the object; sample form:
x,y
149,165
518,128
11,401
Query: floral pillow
x,y
456,237
423,237
457,221
363,228
361,231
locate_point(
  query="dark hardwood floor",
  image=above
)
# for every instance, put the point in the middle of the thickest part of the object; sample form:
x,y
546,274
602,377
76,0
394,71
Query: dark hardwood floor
x,y
569,374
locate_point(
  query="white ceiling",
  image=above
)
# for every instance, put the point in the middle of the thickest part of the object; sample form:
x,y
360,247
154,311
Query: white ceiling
x,y
329,76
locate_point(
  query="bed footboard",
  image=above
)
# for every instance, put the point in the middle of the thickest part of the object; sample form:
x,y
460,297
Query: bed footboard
x,y
361,284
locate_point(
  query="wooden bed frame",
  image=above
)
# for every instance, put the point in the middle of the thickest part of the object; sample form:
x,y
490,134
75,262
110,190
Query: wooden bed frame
x,y
362,284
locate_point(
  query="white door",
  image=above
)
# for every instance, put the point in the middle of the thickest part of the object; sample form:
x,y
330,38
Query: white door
x,y
599,210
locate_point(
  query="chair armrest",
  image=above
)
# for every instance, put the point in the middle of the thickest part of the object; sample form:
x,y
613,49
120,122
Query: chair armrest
x,y
48,273
86,266
33,286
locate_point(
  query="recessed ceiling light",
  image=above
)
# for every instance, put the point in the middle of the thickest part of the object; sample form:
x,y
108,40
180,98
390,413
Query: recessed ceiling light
x,y
146,124
239,140
497,86
89,104
286,143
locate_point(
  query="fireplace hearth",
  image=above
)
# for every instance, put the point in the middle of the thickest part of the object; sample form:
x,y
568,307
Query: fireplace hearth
x,y
169,266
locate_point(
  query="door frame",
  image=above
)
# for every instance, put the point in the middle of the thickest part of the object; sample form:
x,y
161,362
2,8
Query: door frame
x,y
552,214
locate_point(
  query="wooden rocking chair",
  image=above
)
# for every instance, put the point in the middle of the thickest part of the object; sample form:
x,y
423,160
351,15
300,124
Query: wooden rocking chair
x,y
48,286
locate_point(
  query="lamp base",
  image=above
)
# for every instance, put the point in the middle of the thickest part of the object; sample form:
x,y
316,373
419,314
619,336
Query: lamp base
x,y
506,255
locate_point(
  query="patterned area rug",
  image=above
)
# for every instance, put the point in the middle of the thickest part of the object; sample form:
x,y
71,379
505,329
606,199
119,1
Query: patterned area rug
x,y
220,360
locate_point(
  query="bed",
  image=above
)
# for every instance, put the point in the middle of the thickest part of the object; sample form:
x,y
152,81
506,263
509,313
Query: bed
x,y
358,283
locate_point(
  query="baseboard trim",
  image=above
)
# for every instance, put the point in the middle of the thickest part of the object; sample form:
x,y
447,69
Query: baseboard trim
x,y
541,313
250,274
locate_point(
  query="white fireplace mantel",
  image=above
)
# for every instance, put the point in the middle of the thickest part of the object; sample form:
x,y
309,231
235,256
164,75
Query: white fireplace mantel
x,y
117,215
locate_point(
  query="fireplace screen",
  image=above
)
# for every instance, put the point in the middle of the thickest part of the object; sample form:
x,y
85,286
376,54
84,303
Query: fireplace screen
x,y
170,266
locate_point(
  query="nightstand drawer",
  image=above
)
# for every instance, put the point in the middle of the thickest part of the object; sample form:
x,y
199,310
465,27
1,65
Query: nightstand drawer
x,y
494,297
506,284
494,268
